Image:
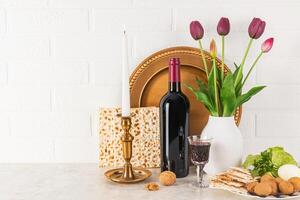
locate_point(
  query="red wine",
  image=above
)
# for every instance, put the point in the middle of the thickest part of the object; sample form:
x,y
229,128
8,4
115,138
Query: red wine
x,y
200,152
174,125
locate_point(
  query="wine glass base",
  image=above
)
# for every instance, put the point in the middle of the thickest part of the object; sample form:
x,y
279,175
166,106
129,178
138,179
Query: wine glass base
x,y
199,185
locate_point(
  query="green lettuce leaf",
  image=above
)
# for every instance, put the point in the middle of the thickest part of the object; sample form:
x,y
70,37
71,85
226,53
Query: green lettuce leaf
x,y
281,157
250,160
268,161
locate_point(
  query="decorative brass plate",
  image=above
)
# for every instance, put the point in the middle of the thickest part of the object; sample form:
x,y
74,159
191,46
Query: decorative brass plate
x,y
149,82
140,174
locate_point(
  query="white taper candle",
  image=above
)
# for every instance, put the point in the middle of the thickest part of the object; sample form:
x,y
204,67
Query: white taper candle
x,y
125,78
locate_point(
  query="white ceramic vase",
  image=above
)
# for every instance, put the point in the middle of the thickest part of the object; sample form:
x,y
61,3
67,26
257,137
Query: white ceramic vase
x,y
227,144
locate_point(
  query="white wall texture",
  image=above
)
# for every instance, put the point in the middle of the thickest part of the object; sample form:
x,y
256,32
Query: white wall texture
x,y
60,60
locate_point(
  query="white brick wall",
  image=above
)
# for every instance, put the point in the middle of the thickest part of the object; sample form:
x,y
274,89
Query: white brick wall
x,y
47,21
48,72
87,47
52,124
60,60
135,19
24,47
25,98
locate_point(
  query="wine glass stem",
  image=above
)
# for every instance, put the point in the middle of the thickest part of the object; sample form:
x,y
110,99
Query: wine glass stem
x,y
200,173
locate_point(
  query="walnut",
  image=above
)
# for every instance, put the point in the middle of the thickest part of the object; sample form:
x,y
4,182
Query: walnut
x,y
167,178
152,186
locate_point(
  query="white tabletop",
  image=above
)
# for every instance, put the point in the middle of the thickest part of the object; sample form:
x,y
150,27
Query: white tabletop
x,y
87,182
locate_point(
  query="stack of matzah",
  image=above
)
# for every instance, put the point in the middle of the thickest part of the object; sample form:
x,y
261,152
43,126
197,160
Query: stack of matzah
x,y
234,179
144,129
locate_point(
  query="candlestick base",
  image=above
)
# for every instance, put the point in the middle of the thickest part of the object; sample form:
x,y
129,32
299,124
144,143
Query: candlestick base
x,y
127,174
117,175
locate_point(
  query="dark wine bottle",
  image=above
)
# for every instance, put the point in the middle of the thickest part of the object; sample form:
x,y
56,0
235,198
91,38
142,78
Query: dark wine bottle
x,y
174,125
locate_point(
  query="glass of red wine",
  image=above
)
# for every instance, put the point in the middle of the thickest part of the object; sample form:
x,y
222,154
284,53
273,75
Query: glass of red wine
x,y
200,155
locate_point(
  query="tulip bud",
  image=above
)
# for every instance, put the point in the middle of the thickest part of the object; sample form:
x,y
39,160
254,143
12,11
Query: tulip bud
x,y
213,48
266,46
256,28
223,27
196,30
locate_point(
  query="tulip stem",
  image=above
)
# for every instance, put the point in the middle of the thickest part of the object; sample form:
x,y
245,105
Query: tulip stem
x,y
254,63
215,85
240,72
203,58
246,53
223,55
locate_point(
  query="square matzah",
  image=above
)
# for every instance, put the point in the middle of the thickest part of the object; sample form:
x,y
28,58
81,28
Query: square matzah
x,y
144,129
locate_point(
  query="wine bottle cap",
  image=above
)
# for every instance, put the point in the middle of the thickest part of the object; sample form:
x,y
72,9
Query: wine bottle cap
x,y
174,72
174,61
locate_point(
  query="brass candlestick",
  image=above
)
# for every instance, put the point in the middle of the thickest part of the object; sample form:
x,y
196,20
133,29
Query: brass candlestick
x,y
127,174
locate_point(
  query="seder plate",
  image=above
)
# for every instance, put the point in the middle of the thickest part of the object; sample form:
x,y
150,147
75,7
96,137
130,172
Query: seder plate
x,y
248,195
149,82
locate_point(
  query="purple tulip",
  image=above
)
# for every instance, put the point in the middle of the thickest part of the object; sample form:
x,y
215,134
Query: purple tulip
x,y
196,30
223,27
266,46
256,28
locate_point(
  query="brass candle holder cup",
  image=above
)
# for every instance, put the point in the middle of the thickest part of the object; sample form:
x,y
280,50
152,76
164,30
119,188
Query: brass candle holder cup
x,y
127,174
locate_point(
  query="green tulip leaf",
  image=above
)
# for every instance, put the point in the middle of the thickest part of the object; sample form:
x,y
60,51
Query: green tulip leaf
x,y
247,96
238,89
235,71
203,98
238,80
202,86
235,65
219,74
212,88
228,97
211,85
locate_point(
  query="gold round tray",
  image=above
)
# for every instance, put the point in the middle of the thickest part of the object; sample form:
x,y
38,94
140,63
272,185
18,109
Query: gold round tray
x,y
116,175
149,82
